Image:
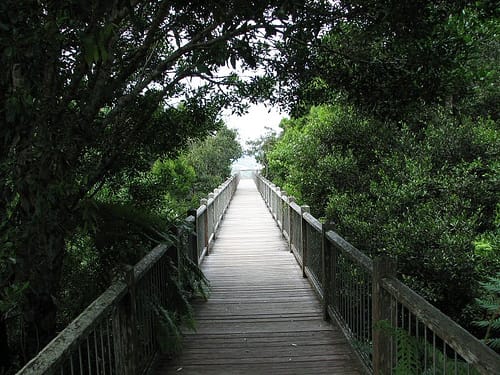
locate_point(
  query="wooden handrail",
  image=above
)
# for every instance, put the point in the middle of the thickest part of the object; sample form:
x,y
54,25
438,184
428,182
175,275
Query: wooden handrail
x,y
470,348
348,249
51,356
104,337
350,303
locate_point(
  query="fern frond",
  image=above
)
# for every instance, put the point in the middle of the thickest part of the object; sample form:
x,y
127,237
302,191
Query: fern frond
x,y
495,324
491,306
481,323
169,333
494,343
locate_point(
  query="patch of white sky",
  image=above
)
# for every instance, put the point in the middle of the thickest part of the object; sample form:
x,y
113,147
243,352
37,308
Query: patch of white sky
x,y
258,120
255,123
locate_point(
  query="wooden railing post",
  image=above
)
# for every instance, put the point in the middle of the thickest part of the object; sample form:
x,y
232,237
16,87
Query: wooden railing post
x,y
303,236
283,207
267,190
290,201
278,205
272,197
326,256
381,310
125,329
216,209
193,238
211,196
204,201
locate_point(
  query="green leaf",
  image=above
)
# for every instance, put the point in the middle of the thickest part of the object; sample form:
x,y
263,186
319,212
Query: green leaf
x,y
204,69
90,49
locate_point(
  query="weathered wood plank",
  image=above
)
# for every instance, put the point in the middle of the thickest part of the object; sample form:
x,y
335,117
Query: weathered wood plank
x,y
262,316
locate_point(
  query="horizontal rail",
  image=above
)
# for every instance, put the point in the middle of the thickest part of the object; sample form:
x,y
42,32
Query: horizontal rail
x,y
350,250
469,347
51,357
362,295
209,215
104,338
145,264
313,222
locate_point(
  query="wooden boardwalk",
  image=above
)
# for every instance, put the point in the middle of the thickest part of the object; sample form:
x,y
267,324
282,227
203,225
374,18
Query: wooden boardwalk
x,y
262,317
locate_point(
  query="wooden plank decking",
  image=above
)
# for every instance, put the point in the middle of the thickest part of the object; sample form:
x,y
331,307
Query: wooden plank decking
x,y
262,317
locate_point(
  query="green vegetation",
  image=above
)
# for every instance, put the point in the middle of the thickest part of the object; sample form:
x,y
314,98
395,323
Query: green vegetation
x,y
423,196
110,129
418,356
91,95
490,304
395,137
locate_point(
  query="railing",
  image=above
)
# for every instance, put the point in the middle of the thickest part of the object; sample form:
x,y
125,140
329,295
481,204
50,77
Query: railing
x,y
209,215
392,329
246,173
117,333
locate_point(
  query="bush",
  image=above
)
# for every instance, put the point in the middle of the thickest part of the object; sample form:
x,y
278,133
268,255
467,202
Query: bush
x,y
424,192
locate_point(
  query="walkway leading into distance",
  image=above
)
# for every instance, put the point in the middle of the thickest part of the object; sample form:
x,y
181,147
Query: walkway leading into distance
x,y
262,316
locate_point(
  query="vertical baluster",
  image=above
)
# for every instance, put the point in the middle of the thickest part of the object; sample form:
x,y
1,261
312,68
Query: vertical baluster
x,y
444,357
108,339
364,298
349,295
359,303
89,363
148,286
396,325
344,290
352,325
80,359
290,213
71,365
369,307
102,348
426,346
433,352
409,322
381,300
96,349
326,256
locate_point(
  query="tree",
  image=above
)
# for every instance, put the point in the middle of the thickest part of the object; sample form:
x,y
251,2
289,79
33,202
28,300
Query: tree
x,y
424,196
211,158
390,58
260,147
84,89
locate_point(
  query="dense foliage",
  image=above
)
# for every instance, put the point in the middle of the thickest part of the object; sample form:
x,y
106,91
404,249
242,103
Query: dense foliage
x,y
491,307
129,217
391,58
426,196
89,99
395,138
105,107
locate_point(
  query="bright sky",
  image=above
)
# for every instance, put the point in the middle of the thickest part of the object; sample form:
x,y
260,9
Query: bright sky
x,y
253,124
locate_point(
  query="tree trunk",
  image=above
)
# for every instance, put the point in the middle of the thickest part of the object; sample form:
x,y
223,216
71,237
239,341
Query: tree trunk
x,y
39,262
5,358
